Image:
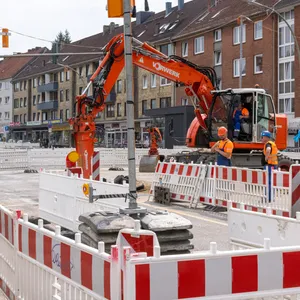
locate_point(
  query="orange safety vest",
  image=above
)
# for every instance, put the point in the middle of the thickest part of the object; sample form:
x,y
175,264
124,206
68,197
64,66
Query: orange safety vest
x,y
272,160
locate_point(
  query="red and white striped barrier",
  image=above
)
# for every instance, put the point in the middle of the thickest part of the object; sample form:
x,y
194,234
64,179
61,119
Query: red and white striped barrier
x,y
219,275
181,179
6,224
295,188
83,265
222,184
96,165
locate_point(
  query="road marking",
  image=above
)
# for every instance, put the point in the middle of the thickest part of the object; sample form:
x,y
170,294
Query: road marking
x,y
187,214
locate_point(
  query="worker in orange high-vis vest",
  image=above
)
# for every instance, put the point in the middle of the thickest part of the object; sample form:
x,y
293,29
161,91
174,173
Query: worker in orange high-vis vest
x,y
224,148
239,114
269,159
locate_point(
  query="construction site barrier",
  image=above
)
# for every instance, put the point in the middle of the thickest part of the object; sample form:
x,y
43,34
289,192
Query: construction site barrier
x,y
41,264
216,185
62,199
247,229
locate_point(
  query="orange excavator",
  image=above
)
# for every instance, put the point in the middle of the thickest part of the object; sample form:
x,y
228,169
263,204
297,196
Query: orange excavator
x,y
213,107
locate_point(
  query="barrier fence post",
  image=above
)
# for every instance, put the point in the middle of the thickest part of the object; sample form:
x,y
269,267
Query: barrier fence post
x,y
295,189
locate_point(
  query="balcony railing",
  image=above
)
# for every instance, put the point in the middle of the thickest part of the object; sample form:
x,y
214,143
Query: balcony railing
x,y
50,105
48,87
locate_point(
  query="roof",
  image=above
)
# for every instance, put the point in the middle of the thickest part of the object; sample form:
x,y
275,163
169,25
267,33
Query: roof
x,y
227,12
9,67
158,29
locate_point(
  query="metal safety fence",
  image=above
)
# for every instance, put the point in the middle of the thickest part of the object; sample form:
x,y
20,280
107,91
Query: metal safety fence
x,y
216,185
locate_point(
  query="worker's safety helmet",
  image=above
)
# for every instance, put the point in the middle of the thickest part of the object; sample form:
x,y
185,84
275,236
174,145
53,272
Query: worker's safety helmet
x,y
222,131
266,133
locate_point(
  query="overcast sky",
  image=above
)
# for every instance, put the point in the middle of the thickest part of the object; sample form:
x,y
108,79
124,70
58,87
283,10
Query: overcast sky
x,y
44,19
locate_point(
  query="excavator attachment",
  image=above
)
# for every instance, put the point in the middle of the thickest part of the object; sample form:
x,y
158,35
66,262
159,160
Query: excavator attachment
x,y
148,163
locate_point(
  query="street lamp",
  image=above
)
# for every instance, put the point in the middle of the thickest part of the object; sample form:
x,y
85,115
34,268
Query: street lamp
x,y
285,21
241,19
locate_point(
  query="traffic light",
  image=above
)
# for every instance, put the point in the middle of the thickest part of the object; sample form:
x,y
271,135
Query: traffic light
x,y
115,8
5,41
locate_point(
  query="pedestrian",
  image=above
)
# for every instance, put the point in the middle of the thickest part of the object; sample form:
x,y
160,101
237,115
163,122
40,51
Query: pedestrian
x,y
224,148
269,159
239,114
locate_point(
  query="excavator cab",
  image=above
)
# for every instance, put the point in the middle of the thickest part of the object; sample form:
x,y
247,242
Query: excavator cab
x,y
261,116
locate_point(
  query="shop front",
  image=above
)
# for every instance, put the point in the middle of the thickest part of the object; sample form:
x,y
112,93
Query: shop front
x,y
115,135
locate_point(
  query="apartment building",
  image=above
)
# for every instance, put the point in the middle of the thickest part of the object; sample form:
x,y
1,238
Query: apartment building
x,y
9,68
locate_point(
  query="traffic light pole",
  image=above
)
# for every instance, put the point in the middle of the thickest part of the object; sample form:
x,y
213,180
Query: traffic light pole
x,y
132,206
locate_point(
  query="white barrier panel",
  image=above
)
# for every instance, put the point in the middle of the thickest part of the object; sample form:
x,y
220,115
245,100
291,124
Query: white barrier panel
x,y
247,229
215,275
295,188
181,179
62,201
13,159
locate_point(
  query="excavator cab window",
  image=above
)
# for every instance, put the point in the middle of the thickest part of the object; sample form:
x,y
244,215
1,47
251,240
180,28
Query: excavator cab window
x,y
265,118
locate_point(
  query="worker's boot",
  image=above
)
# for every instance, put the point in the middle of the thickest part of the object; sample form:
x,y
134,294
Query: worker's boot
x,y
236,134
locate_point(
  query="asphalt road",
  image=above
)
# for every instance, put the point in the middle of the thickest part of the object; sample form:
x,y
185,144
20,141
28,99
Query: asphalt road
x,y
20,190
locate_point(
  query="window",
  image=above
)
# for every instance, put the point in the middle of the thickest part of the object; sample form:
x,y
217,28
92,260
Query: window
x,y
199,45
25,117
33,116
218,35
125,109
80,90
53,115
80,71
44,116
34,100
0,86
184,102
21,118
67,114
61,114
164,81
21,102
145,81
17,87
286,105
16,119
218,58
87,68
21,86
258,63
153,103
258,30
167,49
7,85
38,116
0,115
184,49
68,75
25,102
67,95
0,100
39,81
236,67
61,95
286,42
25,85
61,76
119,113
286,78
119,86
144,107
110,111
165,102
16,103
39,98
34,82
6,100
236,34
6,116
124,85
153,80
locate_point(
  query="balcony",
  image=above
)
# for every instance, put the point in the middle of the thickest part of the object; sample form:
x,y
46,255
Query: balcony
x,y
50,105
48,87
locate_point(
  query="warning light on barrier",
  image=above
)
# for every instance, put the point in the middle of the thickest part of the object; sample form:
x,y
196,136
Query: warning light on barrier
x,y
85,189
5,40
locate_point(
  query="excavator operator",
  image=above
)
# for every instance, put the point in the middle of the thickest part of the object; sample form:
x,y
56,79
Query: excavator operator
x,y
224,148
239,114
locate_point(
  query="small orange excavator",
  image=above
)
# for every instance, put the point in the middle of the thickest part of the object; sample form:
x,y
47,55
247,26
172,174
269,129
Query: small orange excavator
x,y
149,162
213,108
